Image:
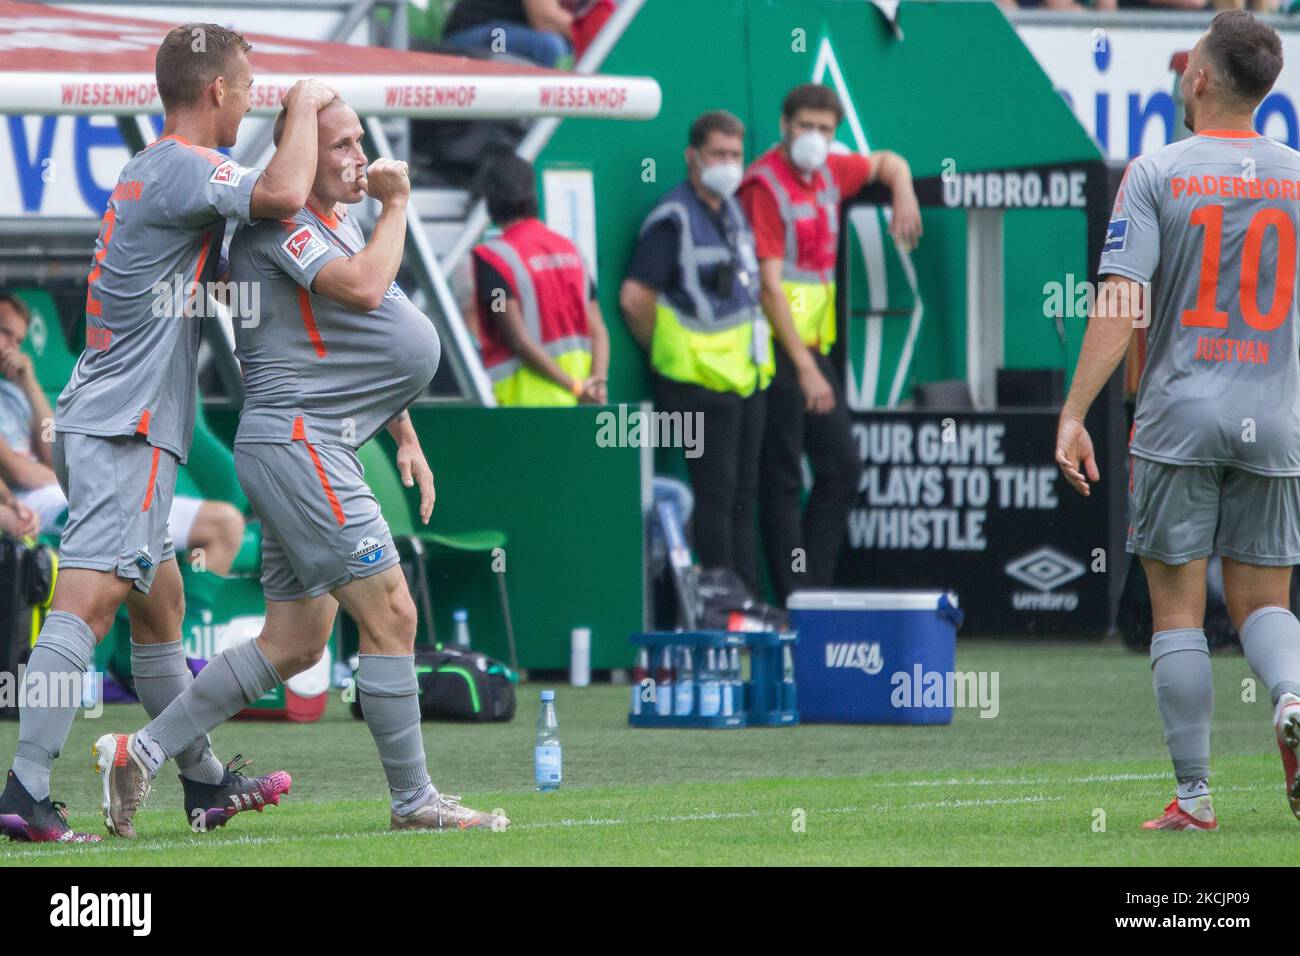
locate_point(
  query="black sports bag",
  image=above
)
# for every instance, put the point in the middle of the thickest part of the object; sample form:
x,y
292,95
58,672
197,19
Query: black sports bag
x,y
26,585
460,685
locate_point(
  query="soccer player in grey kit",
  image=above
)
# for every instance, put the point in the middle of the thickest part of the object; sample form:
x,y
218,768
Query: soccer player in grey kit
x,y
123,423
337,355
1210,222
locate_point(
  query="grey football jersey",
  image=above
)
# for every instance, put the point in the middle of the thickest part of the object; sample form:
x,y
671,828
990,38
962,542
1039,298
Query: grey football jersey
x,y
161,232
345,373
1211,221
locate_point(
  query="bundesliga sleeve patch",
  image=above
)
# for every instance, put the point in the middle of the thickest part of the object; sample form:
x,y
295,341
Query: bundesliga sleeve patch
x,y
1116,235
304,247
229,173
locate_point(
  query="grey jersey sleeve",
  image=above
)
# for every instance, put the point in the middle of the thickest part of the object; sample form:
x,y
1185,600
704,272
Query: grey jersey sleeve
x,y
1132,246
298,249
197,192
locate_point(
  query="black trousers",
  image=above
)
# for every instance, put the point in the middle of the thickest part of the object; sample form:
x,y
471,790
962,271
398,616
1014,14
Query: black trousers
x,y
828,440
724,477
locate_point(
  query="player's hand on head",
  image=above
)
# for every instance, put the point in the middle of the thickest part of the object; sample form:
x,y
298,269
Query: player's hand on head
x,y
1075,455
312,93
386,180
322,93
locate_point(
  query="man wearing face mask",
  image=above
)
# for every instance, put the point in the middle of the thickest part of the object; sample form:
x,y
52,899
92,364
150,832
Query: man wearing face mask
x,y
792,196
691,300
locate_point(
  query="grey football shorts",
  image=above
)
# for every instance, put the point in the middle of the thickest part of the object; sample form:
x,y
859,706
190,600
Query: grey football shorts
x,y
119,492
1178,513
321,524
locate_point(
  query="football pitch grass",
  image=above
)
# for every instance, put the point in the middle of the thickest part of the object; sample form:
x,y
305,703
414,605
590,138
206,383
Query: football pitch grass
x,y
1065,773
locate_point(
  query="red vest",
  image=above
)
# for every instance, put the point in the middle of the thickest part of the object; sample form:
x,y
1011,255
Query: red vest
x,y
810,210
547,277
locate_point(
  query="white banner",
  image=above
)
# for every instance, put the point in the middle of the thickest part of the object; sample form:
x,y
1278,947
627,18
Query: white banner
x,y
1119,82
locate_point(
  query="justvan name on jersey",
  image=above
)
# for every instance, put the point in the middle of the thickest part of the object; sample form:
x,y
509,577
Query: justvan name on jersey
x,y
1231,350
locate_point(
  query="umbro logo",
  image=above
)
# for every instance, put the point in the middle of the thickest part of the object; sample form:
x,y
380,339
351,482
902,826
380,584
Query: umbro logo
x,y
1045,569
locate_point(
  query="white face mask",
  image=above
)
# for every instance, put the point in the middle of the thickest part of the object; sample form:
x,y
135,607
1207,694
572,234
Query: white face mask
x,y
809,150
722,179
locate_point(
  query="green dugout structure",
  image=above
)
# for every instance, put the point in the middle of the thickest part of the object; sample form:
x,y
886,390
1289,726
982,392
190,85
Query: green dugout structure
x,y
1014,194
1011,186
958,95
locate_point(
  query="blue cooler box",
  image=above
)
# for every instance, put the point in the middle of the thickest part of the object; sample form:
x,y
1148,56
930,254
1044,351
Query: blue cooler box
x,y
868,657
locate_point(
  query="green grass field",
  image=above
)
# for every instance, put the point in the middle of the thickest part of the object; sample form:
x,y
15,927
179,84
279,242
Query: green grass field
x,y
1077,736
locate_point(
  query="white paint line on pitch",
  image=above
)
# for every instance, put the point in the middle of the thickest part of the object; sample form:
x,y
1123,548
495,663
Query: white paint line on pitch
x,y
34,852
1043,781
43,852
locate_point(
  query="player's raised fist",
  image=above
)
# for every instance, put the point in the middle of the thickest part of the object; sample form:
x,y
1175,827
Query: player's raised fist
x,y
387,180
311,93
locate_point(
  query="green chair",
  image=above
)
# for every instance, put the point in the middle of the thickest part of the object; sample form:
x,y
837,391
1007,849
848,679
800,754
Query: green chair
x,y
422,543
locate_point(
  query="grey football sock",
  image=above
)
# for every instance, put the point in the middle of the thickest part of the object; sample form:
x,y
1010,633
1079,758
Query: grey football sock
x,y
1271,639
63,651
233,679
389,696
160,675
1180,673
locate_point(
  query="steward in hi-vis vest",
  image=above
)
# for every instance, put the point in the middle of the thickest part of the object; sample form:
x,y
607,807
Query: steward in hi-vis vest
x,y
691,298
709,329
542,337
792,196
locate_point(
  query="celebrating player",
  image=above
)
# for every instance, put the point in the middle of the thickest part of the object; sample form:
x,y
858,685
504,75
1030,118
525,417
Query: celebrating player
x,y
338,355
123,423
1210,223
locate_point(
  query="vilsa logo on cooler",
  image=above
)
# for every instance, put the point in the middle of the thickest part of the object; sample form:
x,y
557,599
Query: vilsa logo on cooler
x,y
861,655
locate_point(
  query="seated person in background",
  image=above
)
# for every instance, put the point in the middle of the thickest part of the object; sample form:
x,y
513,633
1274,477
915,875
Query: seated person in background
x,y
536,30
543,339
16,519
25,465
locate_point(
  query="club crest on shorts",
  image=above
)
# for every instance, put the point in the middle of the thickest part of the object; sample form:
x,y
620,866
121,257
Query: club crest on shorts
x,y
143,558
368,550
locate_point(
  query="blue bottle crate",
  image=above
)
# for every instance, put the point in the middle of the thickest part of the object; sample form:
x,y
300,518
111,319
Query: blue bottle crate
x,y
767,701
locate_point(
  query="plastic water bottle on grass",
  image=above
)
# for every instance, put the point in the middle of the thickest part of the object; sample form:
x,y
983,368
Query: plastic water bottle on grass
x,y
546,755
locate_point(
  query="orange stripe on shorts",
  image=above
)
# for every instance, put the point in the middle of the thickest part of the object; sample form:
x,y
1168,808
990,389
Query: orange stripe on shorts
x,y
300,434
153,474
